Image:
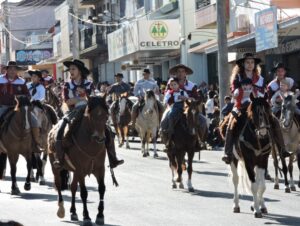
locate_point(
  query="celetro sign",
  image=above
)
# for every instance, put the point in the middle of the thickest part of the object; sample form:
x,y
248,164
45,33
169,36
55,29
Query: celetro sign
x,y
266,36
32,57
159,34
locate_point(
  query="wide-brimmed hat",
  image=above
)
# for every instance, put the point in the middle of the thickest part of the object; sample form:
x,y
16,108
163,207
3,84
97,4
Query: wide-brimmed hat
x,y
13,64
35,72
146,70
78,63
44,71
120,75
279,65
173,70
248,56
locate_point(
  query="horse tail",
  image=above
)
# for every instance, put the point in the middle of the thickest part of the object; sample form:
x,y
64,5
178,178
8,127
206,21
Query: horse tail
x,y
243,177
3,158
52,114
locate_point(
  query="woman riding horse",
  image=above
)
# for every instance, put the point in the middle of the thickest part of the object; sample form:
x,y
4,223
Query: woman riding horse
x,y
75,94
248,68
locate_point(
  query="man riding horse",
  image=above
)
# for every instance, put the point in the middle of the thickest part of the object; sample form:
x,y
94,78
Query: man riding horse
x,y
35,87
141,86
248,68
75,95
180,72
47,79
117,89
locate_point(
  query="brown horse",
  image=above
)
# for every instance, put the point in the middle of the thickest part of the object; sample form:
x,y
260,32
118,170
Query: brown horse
x,y
54,99
121,117
186,134
87,154
17,140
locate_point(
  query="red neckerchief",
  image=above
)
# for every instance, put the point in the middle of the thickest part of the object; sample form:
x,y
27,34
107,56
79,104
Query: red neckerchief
x,y
9,85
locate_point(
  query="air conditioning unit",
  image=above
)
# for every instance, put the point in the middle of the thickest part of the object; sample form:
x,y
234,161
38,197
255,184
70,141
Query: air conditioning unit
x,y
242,22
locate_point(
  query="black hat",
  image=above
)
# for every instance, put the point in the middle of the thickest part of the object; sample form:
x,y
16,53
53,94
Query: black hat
x,y
279,65
173,70
78,63
120,75
13,64
146,70
45,71
35,72
246,81
248,56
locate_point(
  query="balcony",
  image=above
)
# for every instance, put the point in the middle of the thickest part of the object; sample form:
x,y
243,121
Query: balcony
x,y
93,40
206,15
89,2
286,4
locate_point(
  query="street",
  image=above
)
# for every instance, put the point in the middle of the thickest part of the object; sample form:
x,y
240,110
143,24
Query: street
x,y
145,196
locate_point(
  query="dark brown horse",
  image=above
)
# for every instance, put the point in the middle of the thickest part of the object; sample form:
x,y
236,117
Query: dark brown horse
x,y
17,140
251,153
87,154
186,134
54,99
121,117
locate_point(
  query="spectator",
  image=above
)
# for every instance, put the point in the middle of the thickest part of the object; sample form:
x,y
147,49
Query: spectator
x,y
228,106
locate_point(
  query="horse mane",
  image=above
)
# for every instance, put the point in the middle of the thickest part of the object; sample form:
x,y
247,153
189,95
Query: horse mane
x,y
51,113
150,93
257,101
21,101
37,103
96,101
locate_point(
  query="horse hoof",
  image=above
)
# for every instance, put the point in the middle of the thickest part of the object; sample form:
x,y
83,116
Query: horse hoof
x,y
264,210
120,145
181,186
32,179
174,186
148,154
87,222
276,186
42,182
236,210
74,217
191,189
258,215
127,147
299,184
15,191
293,188
252,208
155,155
145,155
268,177
99,221
61,210
27,186
287,190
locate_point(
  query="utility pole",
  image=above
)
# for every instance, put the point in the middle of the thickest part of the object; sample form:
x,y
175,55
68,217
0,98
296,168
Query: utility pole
x,y
223,69
73,4
7,35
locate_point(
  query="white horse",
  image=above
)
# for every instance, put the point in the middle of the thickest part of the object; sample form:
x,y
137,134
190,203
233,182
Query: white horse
x,y
147,123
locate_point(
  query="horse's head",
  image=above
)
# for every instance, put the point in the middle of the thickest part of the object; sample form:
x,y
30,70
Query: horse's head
x,y
258,112
23,106
192,113
288,108
97,114
150,101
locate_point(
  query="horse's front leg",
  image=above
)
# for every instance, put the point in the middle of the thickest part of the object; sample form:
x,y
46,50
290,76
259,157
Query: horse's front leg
x,y
84,195
190,170
126,136
74,216
290,168
180,159
235,181
13,170
260,176
284,170
298,162
154,132
143,142
27,185
101,190
276,180
120,137
44,161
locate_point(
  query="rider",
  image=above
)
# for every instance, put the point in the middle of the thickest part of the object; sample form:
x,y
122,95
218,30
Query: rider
x,y
139,91
47,79
248,68
117,89
35,87
174,97
75,95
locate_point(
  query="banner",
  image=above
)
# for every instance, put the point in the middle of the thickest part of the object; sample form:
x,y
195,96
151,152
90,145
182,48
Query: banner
x,y
33,56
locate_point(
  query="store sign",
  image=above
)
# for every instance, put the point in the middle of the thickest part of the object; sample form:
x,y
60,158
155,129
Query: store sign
x,y
32,57
143,35
284,48
266,35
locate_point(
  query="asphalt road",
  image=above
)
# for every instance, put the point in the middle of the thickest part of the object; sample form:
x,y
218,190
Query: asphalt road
x,y
145,197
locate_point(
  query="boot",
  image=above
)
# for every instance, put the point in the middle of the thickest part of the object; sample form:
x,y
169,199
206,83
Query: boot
x,y
228,148
36,137
59,155
111,151
279,139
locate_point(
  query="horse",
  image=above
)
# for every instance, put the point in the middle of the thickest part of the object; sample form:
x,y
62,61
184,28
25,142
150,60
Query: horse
x,y
147,123
87,155
54,99
17,140
290,132
251,154
186,134
46,115
121,117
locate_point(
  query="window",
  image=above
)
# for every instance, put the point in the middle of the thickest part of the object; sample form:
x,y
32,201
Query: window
x,y
202,3
139,4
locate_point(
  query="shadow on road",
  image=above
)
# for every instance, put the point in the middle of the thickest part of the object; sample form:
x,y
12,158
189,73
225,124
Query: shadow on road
x,y
212,173
81,222
283,219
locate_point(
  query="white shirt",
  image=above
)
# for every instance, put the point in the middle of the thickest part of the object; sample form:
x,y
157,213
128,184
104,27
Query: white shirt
x,y
143,85
210,106
40,92
176,96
